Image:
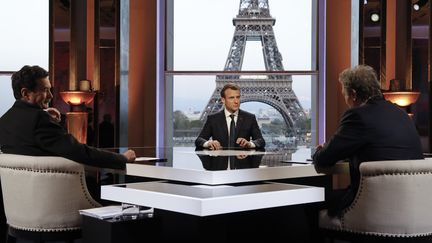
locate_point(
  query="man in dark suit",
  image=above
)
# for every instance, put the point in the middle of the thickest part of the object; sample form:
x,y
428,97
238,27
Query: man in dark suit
x,y
219,126
30,127
372,129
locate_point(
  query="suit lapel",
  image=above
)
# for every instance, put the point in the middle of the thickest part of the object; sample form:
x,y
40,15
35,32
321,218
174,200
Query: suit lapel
x,y
223,123
240,121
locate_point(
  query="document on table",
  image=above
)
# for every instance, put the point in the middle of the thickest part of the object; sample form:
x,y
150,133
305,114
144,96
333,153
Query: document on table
x,y
103,212
108,212
230,152
297,162
146,159
150,159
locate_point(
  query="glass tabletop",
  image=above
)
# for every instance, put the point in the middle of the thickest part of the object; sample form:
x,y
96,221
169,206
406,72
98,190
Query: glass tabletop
x,y
192,159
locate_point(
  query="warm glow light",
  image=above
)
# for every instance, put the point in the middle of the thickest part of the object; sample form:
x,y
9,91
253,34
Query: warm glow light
x,y
77,97
75,101
77,119
403,99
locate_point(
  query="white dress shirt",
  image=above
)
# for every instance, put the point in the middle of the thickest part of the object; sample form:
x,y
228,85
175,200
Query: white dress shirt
x,y
228,119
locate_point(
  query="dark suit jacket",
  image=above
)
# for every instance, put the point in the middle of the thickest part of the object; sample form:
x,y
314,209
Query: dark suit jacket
x,y
28,130
378,130
216,128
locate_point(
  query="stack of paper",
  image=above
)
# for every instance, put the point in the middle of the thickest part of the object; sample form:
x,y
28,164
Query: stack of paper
x,y
103,212
109,212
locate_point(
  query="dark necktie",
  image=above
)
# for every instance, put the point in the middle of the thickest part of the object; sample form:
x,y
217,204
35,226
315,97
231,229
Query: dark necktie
x,y
232,132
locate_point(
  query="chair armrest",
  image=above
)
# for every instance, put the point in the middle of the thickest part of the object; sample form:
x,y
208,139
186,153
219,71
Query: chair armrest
x,y
393,199
40,163
395,167
43,193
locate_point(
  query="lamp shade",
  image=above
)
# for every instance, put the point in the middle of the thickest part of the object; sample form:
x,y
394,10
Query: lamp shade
x,y
77,97
402,98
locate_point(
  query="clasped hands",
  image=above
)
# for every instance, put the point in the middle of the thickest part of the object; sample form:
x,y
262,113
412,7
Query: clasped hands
x,y
54,113
215,145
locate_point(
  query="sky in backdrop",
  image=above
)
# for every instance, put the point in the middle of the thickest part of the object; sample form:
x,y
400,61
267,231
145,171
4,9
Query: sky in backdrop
x,y
24,40
203,32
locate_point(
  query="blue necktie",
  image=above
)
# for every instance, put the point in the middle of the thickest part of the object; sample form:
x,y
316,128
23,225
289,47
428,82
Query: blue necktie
x,y
232,132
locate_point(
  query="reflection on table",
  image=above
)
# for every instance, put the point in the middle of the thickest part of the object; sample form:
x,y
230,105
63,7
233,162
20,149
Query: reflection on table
x,y
187,165
219,161
189,157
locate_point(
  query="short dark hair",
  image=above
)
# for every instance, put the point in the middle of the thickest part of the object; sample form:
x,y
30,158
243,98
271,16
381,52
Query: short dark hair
x,y
27,77
228,86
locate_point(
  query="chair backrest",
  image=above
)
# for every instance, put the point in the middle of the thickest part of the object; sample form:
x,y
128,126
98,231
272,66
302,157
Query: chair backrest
x,y
43,193
394,199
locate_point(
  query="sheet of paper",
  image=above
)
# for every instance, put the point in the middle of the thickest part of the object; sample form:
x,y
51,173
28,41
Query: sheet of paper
x,y
103,212
108,212
230,152
146,159
297,161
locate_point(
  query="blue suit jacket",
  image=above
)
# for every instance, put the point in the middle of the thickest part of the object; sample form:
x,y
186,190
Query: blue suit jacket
x,y
216,128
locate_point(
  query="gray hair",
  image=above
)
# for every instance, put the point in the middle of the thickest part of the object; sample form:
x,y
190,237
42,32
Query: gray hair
x,y
363,80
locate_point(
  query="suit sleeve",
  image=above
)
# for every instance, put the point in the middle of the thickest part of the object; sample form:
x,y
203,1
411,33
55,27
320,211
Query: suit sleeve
x,y
50,136
349,138
256,135
205,134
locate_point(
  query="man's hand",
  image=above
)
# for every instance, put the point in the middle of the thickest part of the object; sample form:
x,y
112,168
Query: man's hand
x,y
54,113
243,143
214,145
130,155
319,147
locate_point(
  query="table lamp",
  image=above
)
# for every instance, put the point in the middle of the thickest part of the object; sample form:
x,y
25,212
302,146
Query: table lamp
x,y
77,117
398,95
402,98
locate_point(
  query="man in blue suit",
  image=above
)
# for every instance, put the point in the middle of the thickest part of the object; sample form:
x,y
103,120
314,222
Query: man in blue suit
x,y
242,125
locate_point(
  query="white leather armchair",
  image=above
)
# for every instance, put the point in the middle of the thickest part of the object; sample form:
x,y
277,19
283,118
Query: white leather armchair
x,y
394,200
43,193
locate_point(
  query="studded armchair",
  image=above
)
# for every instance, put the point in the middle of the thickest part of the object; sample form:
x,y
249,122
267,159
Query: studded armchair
x,y
394,200
42,194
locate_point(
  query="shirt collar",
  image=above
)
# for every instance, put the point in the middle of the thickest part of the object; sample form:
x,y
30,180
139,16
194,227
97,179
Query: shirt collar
x,y
227,113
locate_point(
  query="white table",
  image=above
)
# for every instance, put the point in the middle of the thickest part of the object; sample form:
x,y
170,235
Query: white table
x,y
223,176
203,200
185,165
208,188
195,195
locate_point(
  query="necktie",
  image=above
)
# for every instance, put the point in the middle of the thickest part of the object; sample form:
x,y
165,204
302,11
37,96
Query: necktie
x,y
232,132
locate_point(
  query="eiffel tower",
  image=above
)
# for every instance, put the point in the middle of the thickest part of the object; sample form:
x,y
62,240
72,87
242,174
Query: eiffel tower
x,y
254,23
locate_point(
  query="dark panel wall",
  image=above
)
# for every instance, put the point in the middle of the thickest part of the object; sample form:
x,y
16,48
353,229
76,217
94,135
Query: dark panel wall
x,y
142,74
